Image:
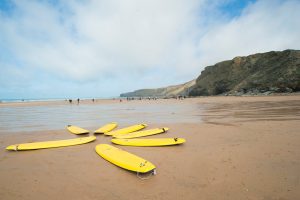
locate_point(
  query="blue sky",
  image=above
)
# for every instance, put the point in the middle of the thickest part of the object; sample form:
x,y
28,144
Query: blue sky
x,y
92,48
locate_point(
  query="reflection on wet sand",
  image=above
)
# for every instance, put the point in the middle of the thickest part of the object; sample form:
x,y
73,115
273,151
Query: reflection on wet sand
x,y
252,111
32,117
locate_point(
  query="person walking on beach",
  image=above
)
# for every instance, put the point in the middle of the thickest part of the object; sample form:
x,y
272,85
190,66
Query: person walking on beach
x,y
78,101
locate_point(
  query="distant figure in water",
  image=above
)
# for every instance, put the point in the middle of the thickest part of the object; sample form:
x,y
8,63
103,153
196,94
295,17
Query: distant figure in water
x,y
78,101
70,100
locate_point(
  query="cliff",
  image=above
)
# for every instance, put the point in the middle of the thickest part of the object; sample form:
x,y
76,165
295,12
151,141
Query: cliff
x,y
170,91
259,73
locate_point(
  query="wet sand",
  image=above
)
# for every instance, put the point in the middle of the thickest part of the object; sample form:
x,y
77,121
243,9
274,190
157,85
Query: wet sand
x,y
237,148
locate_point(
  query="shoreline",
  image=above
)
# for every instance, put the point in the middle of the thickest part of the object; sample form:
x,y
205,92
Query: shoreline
x,y
117,99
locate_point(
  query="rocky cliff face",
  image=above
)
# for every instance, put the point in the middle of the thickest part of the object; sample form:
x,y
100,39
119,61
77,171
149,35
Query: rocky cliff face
x,y
171,91
258,73
271,72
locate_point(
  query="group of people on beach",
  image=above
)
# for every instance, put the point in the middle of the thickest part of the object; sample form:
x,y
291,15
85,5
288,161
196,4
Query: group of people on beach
x,y
180,97
130,99
140,98
78,101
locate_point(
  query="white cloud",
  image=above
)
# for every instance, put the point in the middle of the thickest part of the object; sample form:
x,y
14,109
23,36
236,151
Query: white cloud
x,y
98,36
264,26
142,43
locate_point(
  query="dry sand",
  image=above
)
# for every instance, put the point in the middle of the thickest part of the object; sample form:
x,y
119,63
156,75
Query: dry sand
x,y
245,148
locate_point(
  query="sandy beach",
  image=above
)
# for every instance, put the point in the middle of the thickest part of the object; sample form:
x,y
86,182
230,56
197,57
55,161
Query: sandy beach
x,y
237,148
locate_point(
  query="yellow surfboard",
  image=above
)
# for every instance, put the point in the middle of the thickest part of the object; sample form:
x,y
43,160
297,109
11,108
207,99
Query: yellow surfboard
x,y
149,142
127,129
124,159
51,144
141,133
77,130
106,128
